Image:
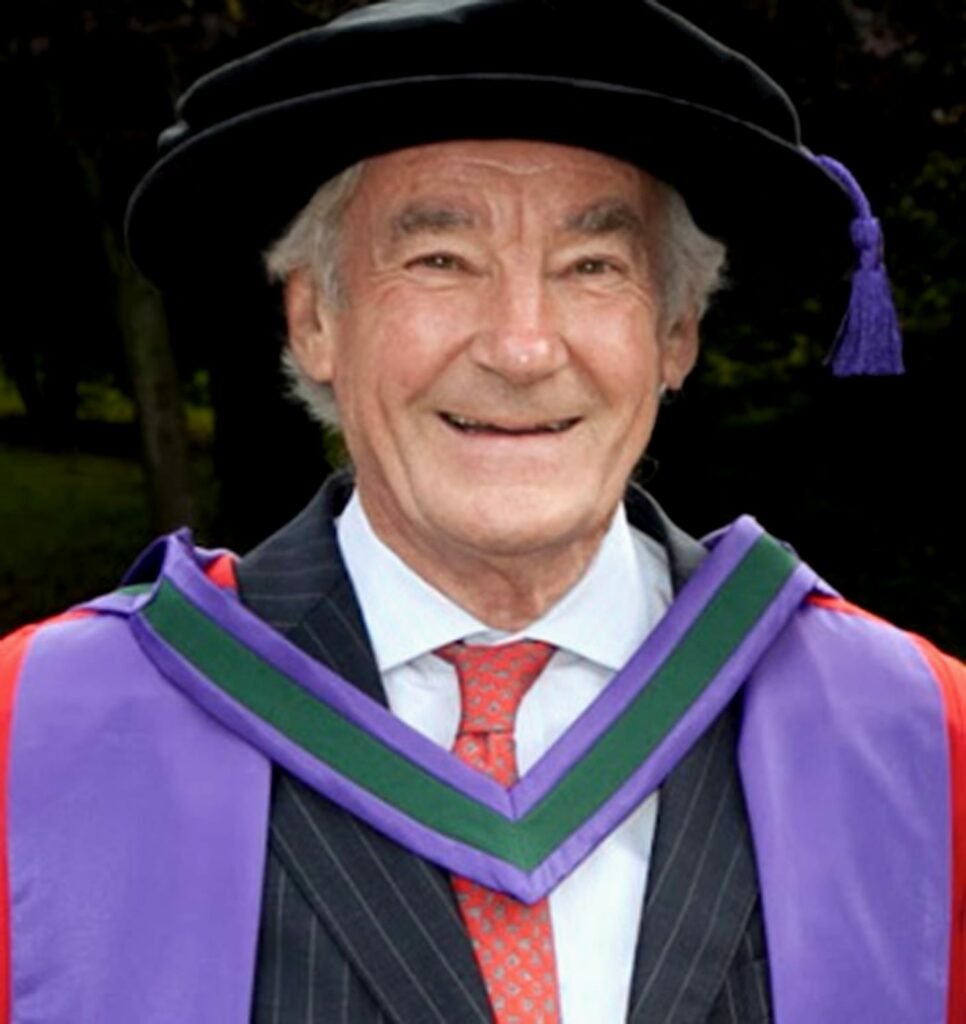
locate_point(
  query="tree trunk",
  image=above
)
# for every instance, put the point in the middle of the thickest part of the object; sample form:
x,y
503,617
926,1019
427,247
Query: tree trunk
x,y
157,393
154,378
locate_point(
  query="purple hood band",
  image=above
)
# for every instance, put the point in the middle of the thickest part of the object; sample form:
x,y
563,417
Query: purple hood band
x,y
181,570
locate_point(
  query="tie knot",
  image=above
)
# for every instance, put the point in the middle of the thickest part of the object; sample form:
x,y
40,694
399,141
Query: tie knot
x,y
493,680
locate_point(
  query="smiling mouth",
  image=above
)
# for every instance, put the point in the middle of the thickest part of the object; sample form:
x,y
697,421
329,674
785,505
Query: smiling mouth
x,y
468,425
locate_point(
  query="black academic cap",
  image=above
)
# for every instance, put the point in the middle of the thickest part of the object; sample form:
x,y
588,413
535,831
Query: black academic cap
x,y
628,78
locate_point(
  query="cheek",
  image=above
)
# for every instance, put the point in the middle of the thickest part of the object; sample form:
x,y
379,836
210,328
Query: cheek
x,y
623,357
415,345
386,364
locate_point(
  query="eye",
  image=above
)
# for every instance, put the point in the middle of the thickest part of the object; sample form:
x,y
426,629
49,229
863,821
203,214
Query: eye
x,y
595,265
438,261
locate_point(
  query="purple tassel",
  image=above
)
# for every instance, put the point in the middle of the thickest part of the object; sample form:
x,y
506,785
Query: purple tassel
x,y
869,341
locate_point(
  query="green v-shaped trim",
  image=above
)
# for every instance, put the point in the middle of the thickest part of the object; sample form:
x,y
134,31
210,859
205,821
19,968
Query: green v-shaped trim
x,y
322,729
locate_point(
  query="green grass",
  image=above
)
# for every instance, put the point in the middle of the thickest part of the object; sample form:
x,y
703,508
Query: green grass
x,y
10,402
70,523
102,402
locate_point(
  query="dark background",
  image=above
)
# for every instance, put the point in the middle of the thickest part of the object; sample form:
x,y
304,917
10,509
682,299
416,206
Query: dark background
x,y
123,412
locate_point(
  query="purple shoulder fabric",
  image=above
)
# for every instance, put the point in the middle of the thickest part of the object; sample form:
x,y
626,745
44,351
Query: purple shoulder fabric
x,y
844,763
138,836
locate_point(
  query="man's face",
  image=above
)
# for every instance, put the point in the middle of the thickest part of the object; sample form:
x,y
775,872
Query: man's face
x,y
497,359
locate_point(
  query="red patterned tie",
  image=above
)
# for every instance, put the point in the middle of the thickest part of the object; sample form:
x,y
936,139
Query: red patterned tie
x,y
513,942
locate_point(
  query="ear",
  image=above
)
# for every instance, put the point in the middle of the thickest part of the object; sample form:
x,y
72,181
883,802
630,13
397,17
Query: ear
x,y
679,351
310,328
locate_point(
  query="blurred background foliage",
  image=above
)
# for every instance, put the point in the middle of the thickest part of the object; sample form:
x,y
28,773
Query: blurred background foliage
x,y
123,412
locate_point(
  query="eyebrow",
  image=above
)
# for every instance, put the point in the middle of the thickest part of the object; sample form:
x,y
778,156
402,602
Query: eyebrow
x,y
429,218
607,217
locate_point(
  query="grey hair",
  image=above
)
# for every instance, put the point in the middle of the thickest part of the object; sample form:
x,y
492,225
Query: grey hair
x,y
691,263
691,269
313,241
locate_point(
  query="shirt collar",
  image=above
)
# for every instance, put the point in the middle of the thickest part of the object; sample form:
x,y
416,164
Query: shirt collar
x,y
603,618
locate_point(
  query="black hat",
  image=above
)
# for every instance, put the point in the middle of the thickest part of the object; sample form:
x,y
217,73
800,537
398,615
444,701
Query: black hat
x,y
628,78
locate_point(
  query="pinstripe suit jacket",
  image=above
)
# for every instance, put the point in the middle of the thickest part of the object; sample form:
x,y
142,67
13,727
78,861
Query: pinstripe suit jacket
x,y
355,929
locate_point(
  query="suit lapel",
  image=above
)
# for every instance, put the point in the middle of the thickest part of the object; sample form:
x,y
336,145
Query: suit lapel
x,y
392,914
702,886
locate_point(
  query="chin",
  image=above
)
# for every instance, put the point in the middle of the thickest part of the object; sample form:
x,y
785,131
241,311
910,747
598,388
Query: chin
x,y
510,524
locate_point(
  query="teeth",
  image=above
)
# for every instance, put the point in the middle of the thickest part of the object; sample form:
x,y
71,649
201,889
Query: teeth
x,y
463,422
471,425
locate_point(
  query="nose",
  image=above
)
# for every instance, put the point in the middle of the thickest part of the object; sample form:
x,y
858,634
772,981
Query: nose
x,y
520,337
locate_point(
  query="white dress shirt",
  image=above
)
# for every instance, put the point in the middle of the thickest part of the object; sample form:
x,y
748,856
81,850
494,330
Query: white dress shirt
x,y
595,627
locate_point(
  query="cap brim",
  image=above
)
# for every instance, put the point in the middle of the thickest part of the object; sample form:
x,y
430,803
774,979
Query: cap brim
x,y
235,187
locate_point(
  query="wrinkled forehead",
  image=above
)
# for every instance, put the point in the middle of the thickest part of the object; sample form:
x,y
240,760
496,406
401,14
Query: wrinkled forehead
x,y
468,183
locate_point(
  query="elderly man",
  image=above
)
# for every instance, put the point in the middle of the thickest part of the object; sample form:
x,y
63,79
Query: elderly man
x,y
481,735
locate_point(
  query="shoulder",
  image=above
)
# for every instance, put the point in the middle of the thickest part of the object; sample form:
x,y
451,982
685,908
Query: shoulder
x,y
88,655
855,695
74,684
846,662
851,628
85,709
73,633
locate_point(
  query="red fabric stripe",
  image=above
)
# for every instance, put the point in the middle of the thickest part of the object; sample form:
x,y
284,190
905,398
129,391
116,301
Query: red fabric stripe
x,y
950,676
839,604
13,649
221,572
